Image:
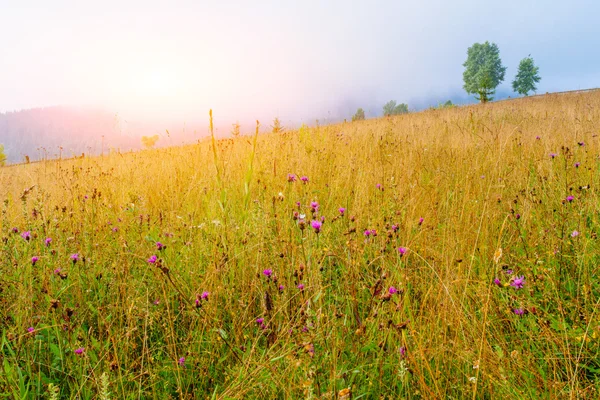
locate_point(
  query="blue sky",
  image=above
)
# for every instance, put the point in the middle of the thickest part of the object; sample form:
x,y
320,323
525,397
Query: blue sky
x,y
172,60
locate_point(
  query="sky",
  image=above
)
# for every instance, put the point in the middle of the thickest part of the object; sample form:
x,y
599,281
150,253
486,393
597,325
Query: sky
x,y
298,60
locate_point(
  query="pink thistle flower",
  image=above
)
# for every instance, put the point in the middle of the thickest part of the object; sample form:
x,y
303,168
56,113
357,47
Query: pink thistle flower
x,y
26,235
519,311
260,321
48,241
581,143
160,246
34,259
570,198
281,287
392,290
204,296
30,329
316,225
378,186
537,138
181,362
402,351
300,286
421,221
79,351
74,257
518,282
574,234
402,250
577,164
497,282
342,210
152,259
291,178
314,206
395,228
268,272
304,179
15,230
552,155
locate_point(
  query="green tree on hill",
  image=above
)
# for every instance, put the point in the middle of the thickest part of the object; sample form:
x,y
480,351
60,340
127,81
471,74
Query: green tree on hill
x,y
2,156
527,77
359,116
483,71
390,108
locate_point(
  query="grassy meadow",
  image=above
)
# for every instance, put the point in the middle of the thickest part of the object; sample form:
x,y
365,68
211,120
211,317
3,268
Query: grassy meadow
x,y
445,254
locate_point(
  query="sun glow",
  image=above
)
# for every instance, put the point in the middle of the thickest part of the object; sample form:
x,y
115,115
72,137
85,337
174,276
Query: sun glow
x,y
157,83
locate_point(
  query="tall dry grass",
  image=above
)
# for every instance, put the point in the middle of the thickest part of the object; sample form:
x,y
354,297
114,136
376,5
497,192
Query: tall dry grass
x,y
494,204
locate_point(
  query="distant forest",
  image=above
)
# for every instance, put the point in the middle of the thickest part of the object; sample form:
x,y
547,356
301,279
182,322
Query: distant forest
x,y
53,132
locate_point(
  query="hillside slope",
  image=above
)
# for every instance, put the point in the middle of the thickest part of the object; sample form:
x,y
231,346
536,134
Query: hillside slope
x,y
443,254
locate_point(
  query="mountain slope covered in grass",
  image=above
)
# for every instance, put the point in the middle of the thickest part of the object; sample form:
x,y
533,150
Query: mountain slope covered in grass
x,y
443,254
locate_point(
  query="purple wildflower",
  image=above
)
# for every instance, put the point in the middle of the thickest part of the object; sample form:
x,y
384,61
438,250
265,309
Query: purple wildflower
x,y
30,329
570,198
378,186
392,290
316,225
204,296
314,206
552,155
421,221
15,230
260,321
34,259
304,179
342,210
26,235
156,302
518,282
574,234
268,272
281,287
57,271
181,362
581,143
152,259
395,227
160,246
402,250
577,164
519,311
291,178
300,286
79,351
74,257
367,233
497,282
402,351
115,229
508,272
537,138
48,241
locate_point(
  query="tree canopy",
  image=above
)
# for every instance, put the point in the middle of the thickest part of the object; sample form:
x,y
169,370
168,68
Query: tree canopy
x,y
2,155
390,108
527,77
483,70
359,116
